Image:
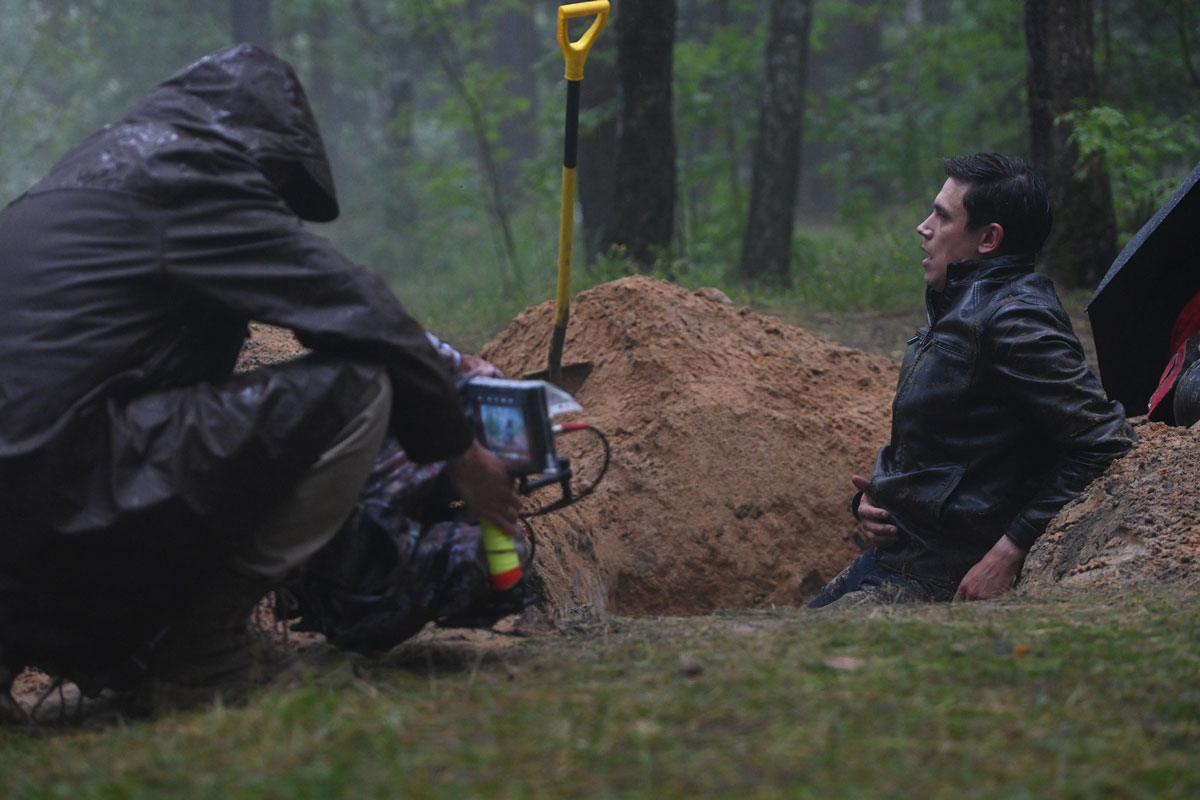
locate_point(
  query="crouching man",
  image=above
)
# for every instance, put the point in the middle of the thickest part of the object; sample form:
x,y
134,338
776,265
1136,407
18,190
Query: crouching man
x,y
148,496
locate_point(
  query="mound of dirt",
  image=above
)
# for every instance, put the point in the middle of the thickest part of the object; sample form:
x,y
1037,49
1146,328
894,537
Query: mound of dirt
x,y
733,440
1139,522
267,345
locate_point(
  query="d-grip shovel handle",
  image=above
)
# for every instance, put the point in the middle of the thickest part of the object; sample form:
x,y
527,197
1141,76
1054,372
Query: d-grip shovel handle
x,y
575,53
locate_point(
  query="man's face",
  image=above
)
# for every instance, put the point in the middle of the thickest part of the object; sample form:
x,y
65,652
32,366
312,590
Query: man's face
x,y
946,236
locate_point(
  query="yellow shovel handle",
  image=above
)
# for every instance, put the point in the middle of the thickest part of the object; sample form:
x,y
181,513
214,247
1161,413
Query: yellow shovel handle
x,y
575,53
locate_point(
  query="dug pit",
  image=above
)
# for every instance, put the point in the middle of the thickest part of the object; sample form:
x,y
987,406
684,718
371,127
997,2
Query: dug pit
x,y
733,437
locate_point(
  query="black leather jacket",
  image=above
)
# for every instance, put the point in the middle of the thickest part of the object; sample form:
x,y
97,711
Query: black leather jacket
x,y
996,424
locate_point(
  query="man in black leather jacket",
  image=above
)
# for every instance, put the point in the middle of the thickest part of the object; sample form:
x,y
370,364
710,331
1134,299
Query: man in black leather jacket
x,y
998,421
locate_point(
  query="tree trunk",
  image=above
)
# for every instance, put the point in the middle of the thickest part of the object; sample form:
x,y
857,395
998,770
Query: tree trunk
x,y
644,216
1062,78
767,247
251,21
598,143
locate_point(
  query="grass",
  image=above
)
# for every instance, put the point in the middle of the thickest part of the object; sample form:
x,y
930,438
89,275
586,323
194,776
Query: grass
x,y
1083,694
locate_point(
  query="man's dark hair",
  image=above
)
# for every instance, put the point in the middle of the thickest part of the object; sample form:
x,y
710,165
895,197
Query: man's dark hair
x,y
1007,191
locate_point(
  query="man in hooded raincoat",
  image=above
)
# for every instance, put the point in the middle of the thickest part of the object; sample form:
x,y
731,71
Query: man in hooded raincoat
x,y
148,496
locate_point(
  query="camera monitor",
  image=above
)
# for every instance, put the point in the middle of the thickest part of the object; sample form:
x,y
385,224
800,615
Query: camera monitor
x,y
512,420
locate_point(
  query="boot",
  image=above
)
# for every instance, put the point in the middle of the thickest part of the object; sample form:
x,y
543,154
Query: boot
x,y
213,650
11,711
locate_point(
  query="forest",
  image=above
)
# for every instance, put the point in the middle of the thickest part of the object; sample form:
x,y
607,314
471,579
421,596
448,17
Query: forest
x,y
786,147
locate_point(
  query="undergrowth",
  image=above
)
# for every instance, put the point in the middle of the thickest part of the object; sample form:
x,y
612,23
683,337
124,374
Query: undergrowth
x,y
466,294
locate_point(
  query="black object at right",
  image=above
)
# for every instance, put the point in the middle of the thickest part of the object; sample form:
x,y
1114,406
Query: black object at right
x,y
1137,302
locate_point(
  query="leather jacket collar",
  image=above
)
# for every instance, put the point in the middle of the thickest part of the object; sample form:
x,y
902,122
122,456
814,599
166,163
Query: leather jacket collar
x,y
960,275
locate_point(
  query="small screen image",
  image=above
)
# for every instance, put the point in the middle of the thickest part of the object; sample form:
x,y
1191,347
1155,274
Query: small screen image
x,y
504,432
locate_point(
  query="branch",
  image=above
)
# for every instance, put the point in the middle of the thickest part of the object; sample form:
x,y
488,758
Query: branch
x,y
443,45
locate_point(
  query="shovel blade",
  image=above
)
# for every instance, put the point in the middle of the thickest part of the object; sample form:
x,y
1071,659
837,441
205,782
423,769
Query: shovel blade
x,y
573,375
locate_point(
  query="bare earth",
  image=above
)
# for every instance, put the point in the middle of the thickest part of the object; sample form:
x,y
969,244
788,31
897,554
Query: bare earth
x,y
733,438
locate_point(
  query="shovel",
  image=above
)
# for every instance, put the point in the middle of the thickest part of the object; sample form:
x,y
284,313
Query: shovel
x,y
570,377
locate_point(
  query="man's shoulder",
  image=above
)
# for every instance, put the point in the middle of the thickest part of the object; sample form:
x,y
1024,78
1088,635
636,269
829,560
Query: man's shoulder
x,y
1031,294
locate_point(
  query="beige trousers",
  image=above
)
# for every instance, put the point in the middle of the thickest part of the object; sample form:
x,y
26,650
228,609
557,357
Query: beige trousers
x,y
318,505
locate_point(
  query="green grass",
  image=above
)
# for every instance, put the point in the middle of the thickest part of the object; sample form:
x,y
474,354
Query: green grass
x,y
1082,695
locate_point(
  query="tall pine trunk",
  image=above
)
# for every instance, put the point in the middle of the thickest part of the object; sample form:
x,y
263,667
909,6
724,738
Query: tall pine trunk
x,y
598,144
644,215
767,247
1062,78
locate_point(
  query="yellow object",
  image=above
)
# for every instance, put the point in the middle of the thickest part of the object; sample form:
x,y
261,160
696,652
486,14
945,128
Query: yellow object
x,y
576,52
504,565
566,240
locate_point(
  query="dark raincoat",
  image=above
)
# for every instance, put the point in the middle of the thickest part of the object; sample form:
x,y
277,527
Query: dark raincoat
x,y
131,460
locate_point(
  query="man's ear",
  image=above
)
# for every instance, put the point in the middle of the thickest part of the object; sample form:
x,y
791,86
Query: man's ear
x,y
989,241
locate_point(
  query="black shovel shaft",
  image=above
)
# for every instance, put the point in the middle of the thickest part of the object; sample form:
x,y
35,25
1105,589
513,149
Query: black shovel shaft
x,y
571,134
557,337
566,234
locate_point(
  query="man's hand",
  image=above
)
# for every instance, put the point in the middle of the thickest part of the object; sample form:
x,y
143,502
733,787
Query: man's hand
x,y
486,487
874,521
995,573
477,367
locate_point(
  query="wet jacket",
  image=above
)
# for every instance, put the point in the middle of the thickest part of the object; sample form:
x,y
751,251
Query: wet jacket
x,y
130,459
997,422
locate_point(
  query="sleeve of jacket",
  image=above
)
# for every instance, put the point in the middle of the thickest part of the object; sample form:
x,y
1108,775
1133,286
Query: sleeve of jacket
x,y
1045,379
248,253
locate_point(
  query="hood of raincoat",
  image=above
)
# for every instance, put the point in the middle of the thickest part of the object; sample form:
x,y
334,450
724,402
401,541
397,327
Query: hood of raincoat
x,y
252,100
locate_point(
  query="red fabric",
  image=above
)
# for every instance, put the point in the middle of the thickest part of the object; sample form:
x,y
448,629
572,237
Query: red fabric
x,y
1186,324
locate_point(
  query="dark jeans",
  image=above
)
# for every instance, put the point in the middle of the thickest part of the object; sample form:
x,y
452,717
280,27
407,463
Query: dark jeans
x,y
866,574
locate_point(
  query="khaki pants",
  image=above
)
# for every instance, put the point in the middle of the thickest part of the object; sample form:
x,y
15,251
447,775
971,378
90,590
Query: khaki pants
x,y
318,505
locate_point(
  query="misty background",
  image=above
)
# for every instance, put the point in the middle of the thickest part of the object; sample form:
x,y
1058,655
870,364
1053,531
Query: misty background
x,y
782,149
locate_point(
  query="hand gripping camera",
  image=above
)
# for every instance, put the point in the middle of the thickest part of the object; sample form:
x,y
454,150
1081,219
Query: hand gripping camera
x,y
512,419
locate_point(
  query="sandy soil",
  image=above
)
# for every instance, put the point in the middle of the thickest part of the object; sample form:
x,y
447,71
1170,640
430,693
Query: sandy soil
x,y
1139,522
733,437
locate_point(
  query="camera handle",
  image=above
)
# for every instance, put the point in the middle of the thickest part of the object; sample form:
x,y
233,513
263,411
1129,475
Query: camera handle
x,y
504,564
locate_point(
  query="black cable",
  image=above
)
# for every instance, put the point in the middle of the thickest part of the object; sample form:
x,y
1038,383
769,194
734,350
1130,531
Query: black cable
x,y
581,493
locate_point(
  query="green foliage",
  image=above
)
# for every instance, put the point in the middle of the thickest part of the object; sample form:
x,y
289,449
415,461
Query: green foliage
x,y
418,114
1148,56
1147,157
716,85
934,87
852,273
70,67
